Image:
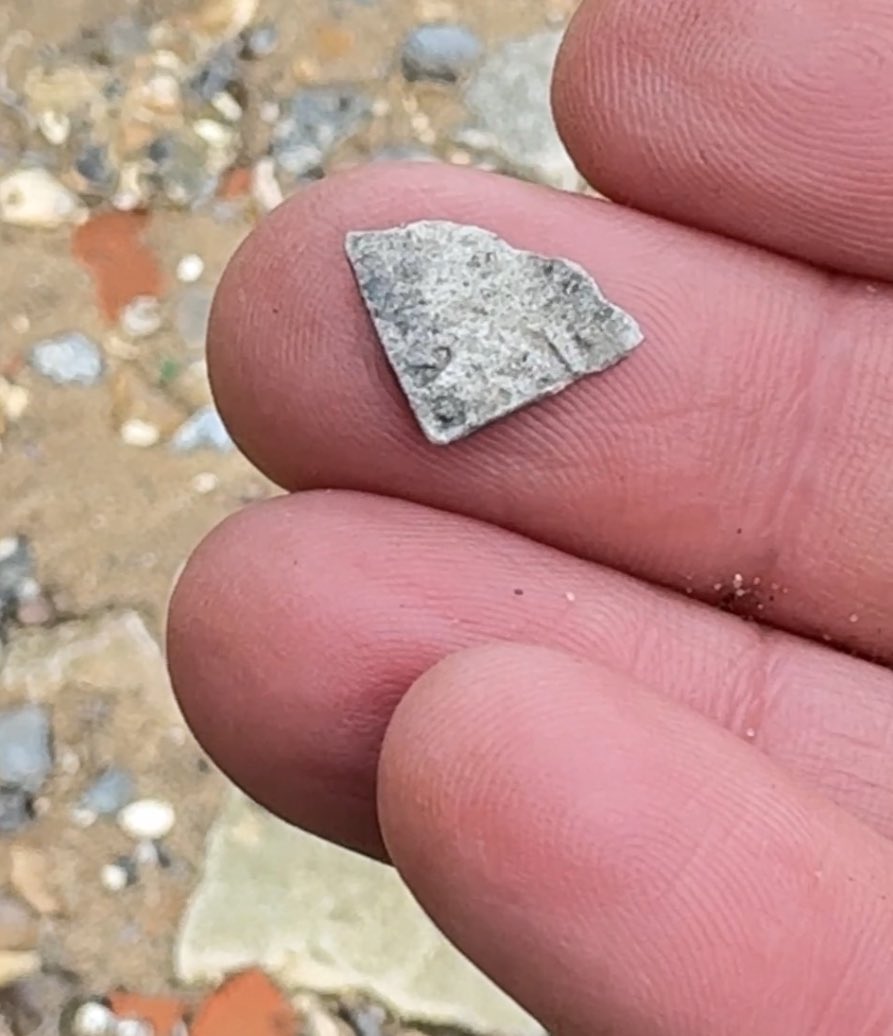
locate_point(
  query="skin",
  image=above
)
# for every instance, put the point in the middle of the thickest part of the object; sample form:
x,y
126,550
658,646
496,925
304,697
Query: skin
x,y
518,668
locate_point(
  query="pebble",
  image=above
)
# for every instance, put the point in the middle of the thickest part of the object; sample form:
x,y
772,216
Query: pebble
x,y
142,317
227,106
205,482
219,72
14,400
26,757
265,187
112,790
134,1027
315,121
35,198
16,809
147,819
119,875
181,168
443,53
204,430
94,1019
93,165
190,268
140,434
55,127
68,359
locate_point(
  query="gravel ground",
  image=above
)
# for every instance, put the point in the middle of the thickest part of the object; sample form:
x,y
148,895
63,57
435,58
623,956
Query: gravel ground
x,y
139,143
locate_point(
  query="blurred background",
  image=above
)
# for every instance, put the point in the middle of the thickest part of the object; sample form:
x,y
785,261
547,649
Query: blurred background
x,y
139,143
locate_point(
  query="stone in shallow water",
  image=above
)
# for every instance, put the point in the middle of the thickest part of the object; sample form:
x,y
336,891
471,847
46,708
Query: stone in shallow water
x,y
476,329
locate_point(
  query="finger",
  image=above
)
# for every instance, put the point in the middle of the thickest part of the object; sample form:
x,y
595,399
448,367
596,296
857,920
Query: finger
x,y
300,623
772,123
750,435
620,866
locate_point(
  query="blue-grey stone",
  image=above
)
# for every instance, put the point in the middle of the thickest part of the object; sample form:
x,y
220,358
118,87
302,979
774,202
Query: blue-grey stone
x,y
511,114
204,430
16,809
259,41
68,359
26,754
220,71
444,53
314,122
16,569
112,790
93,164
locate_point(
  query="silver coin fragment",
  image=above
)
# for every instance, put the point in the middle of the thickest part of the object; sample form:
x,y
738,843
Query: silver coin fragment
x,y
476,329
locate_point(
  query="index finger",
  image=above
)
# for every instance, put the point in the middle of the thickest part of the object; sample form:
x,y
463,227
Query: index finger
x,y
742,454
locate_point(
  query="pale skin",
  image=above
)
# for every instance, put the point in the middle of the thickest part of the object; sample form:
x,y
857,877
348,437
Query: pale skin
x,y
502,665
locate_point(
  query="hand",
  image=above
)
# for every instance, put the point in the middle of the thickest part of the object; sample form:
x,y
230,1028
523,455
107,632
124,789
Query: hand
x,y
490,663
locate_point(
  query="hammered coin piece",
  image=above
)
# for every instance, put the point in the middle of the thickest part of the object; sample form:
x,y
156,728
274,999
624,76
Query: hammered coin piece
x,y
476,329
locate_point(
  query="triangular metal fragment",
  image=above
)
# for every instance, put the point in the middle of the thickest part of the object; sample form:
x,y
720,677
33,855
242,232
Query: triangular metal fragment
x,y
476,329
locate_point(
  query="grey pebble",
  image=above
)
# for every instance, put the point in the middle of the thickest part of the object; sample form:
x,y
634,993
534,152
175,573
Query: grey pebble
x,y
440,52
476,329
93,164
68,359
365,1019
16,809
26,754
180,169
112,790
259,41
219,72
203,430
16,571
315,121
192,315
